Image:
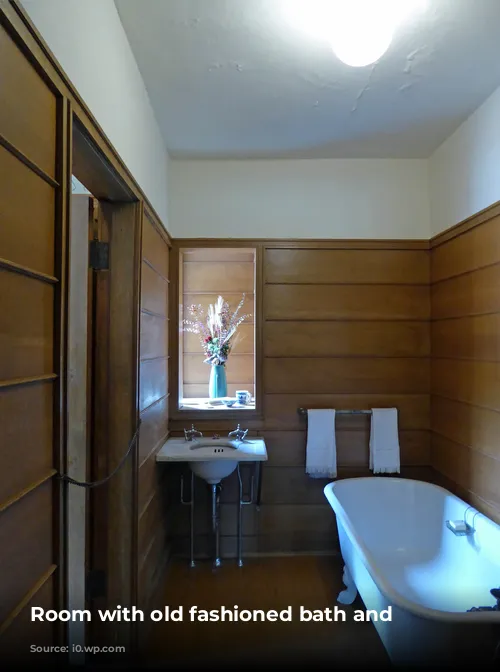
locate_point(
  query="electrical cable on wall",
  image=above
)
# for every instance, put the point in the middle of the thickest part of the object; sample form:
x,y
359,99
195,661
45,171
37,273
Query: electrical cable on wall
x,y
95,484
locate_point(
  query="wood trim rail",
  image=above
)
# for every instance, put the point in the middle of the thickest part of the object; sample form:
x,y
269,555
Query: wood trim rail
x,y
304,244
26,491
29,272
27,599
156,447
153,268
13,382
28,162
462,227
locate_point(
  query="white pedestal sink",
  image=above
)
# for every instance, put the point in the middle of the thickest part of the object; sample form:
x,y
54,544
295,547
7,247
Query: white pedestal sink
x,y
213,459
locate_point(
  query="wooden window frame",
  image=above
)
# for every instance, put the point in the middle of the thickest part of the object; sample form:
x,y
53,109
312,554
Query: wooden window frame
x,y
236,415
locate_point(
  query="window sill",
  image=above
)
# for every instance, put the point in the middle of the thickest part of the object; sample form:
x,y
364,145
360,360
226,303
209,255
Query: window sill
x,y
212,405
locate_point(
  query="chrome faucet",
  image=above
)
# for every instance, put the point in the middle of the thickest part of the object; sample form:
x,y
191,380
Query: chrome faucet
x,y
190,434
239,433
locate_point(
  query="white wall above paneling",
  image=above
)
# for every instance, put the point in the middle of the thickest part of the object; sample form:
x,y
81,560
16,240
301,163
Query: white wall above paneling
x,y
464,173
89,41
323,198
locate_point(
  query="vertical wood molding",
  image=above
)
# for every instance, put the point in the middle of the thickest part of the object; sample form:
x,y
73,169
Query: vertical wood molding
x,y
123,405
77,414
63,205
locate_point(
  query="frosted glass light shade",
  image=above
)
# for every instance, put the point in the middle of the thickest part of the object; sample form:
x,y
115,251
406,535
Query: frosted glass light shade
x,y
361,31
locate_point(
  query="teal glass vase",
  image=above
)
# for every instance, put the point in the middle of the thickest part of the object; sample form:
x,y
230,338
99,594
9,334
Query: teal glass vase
x,y
217,386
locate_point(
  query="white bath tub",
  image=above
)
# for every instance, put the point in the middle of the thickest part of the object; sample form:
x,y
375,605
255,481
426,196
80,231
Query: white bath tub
x,y
398,552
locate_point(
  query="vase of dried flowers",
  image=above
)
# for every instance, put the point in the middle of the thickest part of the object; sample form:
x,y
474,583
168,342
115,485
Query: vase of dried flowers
x,y
218,334
217,385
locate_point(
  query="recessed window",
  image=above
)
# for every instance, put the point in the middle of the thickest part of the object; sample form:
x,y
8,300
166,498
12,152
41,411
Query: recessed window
x,y
217,329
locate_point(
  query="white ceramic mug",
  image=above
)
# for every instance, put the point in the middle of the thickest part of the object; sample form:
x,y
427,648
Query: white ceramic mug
x,y
243,396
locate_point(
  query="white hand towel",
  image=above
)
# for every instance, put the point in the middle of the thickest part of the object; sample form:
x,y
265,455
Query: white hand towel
x,y
321,451
384,441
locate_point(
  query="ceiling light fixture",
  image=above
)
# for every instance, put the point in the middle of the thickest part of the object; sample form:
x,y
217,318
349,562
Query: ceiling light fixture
x,y
359,31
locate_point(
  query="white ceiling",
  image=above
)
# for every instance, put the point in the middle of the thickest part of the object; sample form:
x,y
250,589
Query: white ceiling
x,y
235,79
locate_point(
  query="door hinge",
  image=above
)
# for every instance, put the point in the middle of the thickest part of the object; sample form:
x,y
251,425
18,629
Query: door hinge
x,y
99,255
96,584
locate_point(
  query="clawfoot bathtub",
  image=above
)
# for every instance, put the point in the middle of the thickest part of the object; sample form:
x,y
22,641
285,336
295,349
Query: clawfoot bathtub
x,y
399,552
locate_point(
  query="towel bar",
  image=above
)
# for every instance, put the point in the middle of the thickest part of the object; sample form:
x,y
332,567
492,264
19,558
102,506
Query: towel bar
x,y
303,411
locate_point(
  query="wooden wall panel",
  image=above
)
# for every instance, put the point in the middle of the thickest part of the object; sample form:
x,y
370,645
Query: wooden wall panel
x,y
470,294
470,469
465,367
26,546
154,291
207,274
154,336
154,381
471,381
154,427
345,329
338,375
353,266
465,252
473,426
341,339
26,336
32,218
27,450
15,649
32,291
28,111
470,337
346,302
155,250
152,524
218,277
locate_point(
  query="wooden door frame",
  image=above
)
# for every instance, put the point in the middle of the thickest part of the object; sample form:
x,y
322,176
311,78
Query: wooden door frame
x,y
120,318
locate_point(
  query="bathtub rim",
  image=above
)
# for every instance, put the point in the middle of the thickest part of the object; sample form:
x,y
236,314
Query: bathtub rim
x,y
392,595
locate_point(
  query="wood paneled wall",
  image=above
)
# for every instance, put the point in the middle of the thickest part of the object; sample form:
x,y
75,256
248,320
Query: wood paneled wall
x,y
153,394
465,332
206,274
45,131
31,359
342,328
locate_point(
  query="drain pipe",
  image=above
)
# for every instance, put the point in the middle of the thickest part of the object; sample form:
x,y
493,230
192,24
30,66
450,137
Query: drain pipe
x,y
215,521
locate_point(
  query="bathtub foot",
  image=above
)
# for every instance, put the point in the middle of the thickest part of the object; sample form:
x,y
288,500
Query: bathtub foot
x,y
348,595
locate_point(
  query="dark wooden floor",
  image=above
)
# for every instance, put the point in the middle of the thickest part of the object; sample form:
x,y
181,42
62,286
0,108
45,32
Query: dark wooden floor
x,y
264,583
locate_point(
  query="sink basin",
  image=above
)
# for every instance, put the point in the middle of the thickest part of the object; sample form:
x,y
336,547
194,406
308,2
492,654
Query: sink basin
x,y
212,459
213,471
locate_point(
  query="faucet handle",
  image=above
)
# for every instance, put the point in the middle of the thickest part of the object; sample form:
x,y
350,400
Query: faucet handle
x,y
190,433
239,433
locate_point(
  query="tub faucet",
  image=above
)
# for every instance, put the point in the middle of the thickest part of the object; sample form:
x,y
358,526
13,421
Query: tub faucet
x,y
460,528
238,433
496,594
190,434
